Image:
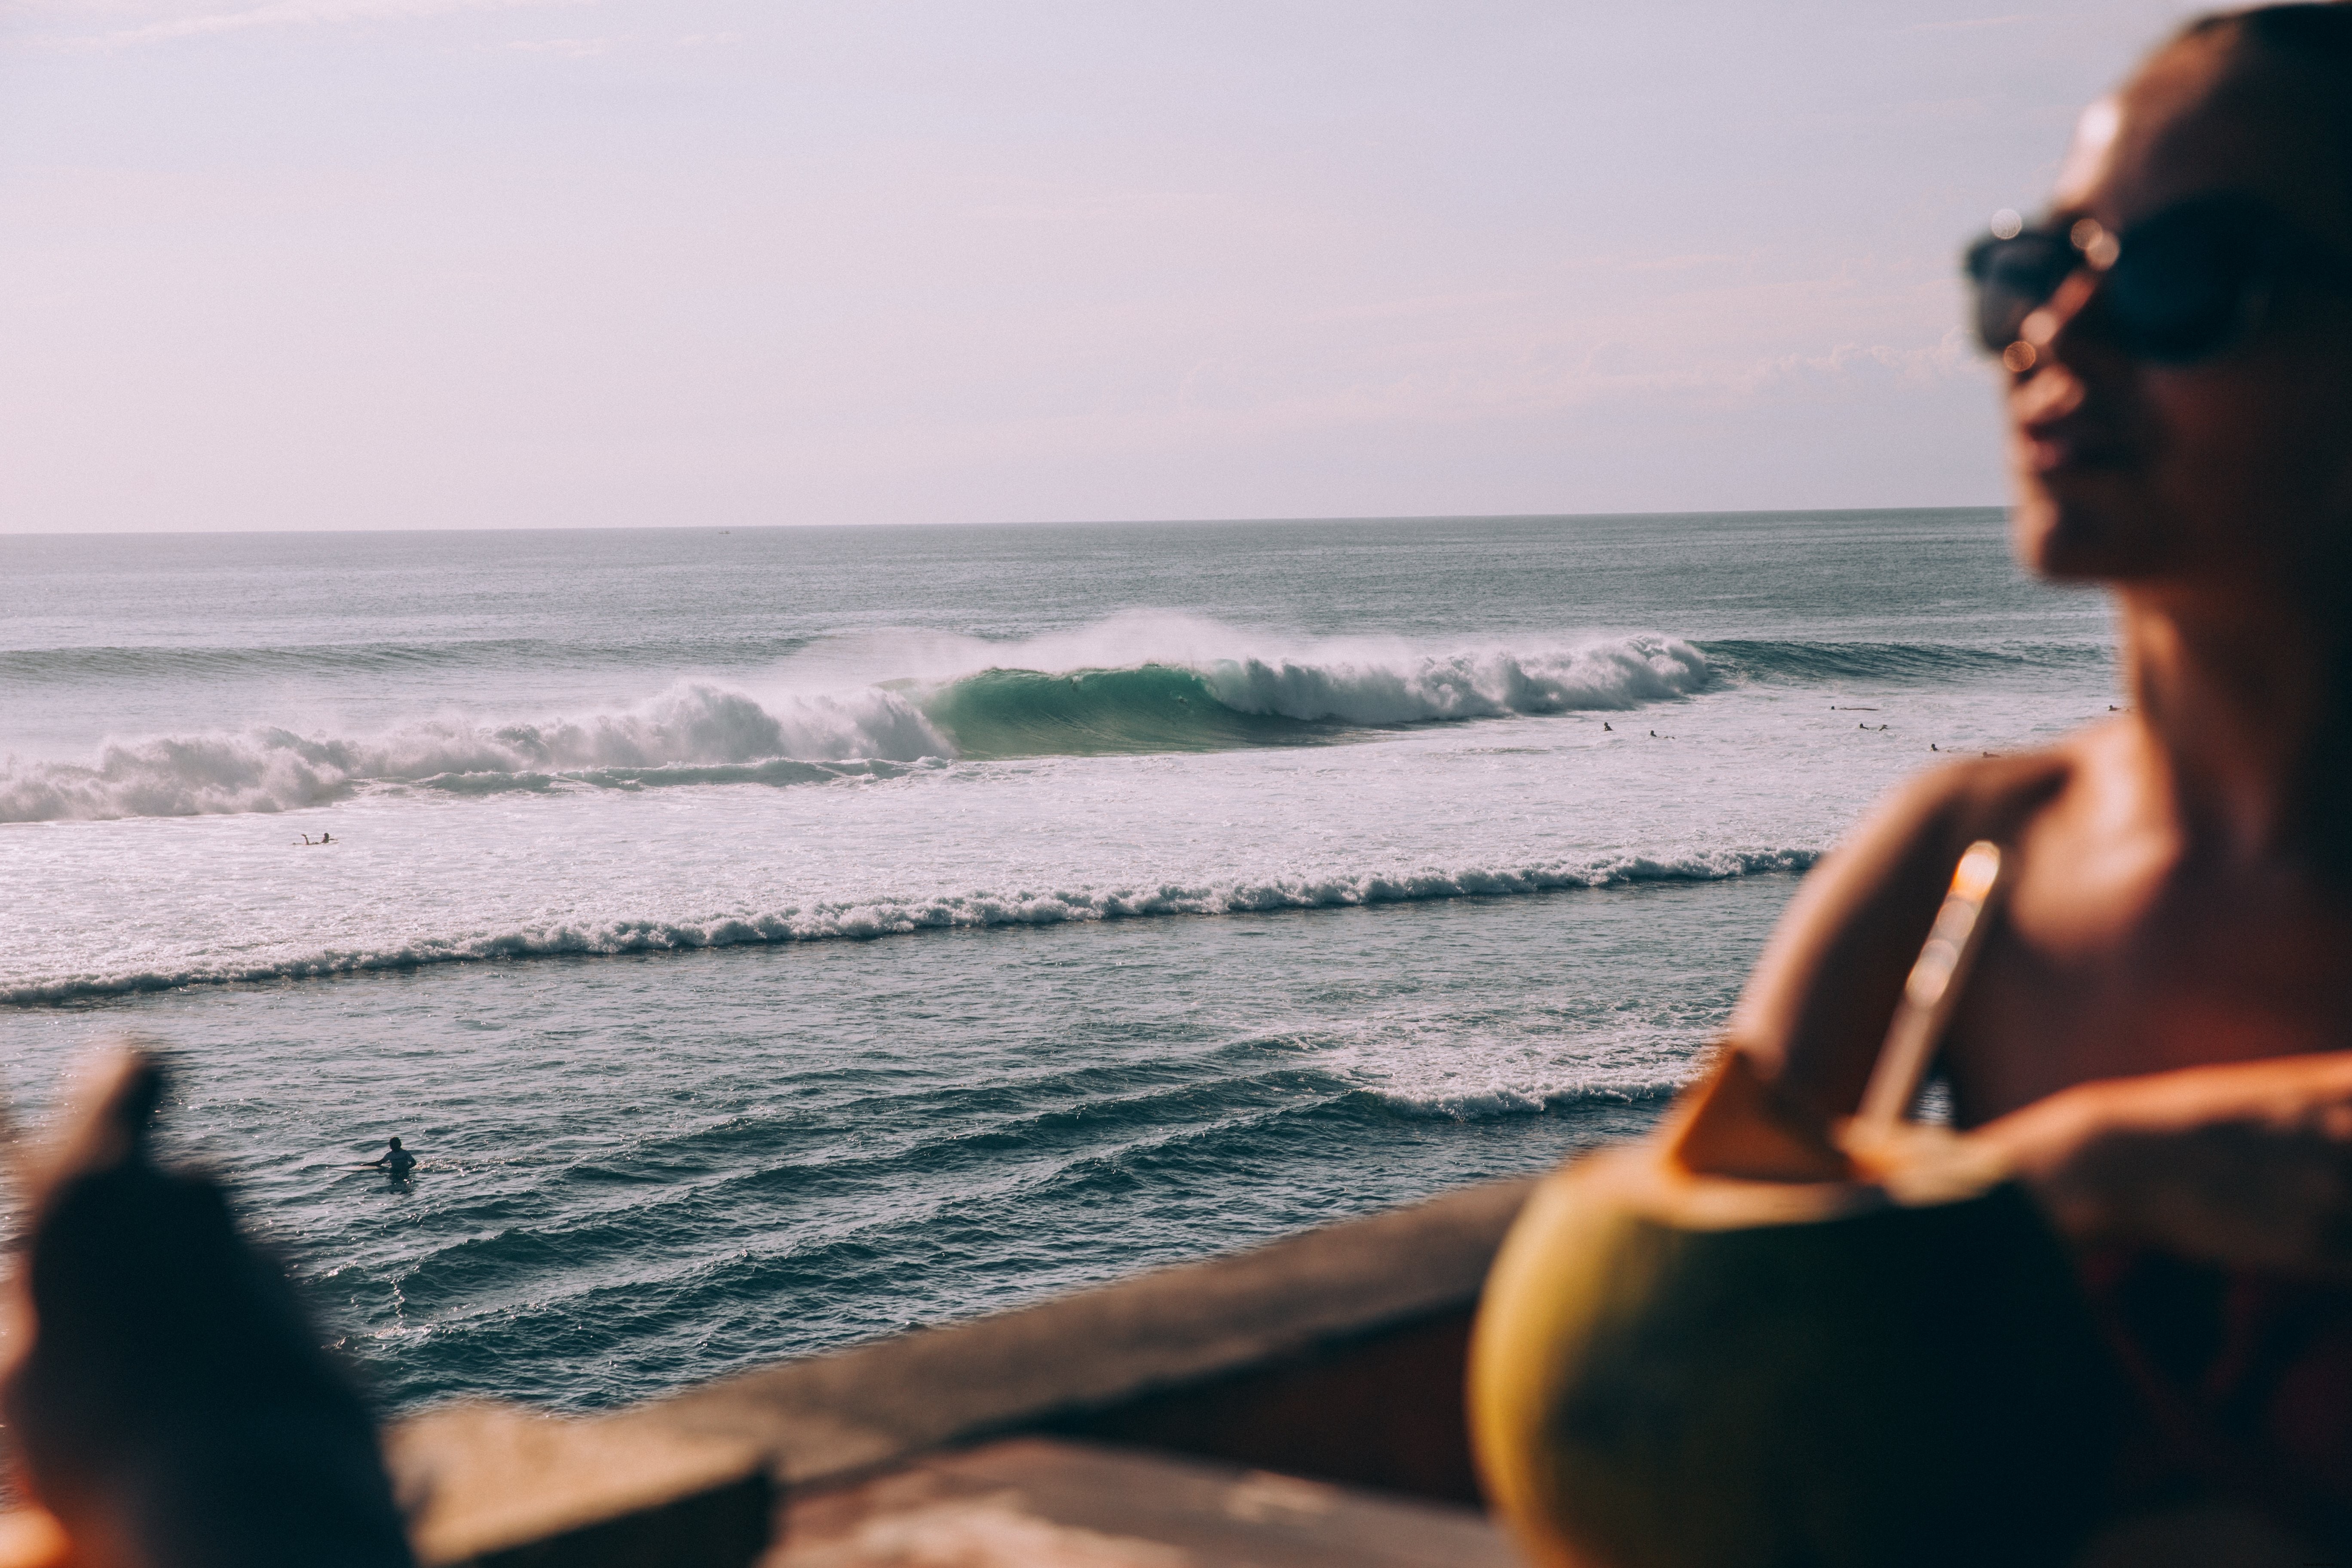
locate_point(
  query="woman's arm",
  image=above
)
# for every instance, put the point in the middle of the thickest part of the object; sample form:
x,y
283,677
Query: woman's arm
x,y
1817,1006
2247,1165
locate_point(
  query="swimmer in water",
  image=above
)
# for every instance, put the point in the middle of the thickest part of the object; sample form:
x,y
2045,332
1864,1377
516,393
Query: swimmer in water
x,y
395,1161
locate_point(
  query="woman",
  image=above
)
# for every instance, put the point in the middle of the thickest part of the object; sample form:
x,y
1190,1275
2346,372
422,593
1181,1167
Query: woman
x,y
2159,1028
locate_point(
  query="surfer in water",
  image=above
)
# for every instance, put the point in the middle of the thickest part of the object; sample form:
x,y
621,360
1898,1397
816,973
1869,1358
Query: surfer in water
x,y
2158,1033
395,1161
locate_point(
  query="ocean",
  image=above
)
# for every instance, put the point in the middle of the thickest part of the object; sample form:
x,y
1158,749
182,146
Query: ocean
x,y
772,938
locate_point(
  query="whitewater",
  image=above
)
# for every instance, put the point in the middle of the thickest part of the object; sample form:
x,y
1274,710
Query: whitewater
x,y
777,937
1139,682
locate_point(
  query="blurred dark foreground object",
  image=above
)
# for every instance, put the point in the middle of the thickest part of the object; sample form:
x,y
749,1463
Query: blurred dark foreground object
x,y
167,1397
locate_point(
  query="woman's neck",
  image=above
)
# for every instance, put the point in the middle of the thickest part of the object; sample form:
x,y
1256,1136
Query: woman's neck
x,y
2245,702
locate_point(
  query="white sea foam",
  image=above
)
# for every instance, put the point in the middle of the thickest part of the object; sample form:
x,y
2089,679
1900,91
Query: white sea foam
x,y
691,725
702,732
1531,1096
1618,673
820,921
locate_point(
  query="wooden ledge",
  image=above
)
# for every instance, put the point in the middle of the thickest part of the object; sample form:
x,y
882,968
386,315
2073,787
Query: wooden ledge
x,y
1034,1502
489,1485
1095,1351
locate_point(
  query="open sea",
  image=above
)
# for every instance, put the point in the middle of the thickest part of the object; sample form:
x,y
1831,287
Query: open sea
x,y
775,938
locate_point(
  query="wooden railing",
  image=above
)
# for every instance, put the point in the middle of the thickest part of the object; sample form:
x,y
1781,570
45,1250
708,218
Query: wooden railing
x,y
1334,1354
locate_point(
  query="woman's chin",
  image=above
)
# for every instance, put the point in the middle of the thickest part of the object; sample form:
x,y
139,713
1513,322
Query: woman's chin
x,y
2073,531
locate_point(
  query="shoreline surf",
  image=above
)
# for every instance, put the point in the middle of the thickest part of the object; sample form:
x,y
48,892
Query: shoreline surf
x,y
877,919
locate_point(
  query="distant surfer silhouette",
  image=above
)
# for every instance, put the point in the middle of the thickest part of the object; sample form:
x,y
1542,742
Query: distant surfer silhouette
x,y
395,1161
1604,724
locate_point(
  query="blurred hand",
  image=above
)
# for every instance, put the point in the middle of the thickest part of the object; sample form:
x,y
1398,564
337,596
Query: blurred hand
x,y
169,1400
2247,1165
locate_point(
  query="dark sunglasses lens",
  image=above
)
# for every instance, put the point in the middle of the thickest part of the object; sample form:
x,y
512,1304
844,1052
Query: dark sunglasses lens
x,y
2014,278
2183,288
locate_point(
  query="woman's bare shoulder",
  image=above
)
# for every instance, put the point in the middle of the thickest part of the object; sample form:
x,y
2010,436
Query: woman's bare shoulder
x,y
1817,1004
1904,848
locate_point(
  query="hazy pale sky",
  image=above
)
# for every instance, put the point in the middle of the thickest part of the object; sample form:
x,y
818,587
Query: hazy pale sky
x,y
497,263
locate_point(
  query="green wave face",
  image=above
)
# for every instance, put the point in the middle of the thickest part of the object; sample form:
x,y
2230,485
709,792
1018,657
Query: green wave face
x,y
1098,712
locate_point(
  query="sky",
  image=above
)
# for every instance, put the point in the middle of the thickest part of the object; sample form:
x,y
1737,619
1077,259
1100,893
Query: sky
x,y
345,264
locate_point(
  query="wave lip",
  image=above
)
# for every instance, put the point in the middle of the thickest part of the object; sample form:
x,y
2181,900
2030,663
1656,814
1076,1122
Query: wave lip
x,y
821,922
1098,712
1609,674
1198,703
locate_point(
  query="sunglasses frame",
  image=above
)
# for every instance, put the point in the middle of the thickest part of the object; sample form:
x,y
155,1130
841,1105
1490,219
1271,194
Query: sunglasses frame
x,y
2269,250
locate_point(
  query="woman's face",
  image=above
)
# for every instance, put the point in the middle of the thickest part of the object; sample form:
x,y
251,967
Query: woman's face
x,y
2234,470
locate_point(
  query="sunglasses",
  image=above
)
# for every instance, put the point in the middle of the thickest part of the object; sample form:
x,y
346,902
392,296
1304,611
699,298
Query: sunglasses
x,y
2181,286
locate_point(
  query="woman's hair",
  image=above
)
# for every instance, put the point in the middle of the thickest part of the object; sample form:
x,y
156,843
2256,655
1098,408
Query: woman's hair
x,y
2310,44
2316,33
2312,40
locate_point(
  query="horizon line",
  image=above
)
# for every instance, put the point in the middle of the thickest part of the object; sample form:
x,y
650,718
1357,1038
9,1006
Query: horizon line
x,y
993,522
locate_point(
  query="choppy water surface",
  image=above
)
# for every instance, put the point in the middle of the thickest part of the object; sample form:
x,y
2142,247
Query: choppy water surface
x,y
1235,877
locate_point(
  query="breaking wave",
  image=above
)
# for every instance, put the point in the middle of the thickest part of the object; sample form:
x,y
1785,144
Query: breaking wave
x,y
821,922
679,738
699,733
1214,703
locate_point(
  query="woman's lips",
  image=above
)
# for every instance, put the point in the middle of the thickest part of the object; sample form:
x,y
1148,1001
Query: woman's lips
x,y
2059,446
2061,426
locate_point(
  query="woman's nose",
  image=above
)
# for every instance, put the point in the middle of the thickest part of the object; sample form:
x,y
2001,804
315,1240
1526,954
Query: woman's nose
x,y
2040,331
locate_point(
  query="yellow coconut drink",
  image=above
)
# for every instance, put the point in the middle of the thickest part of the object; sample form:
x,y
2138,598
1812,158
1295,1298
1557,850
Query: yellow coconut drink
x,y
1749,1343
